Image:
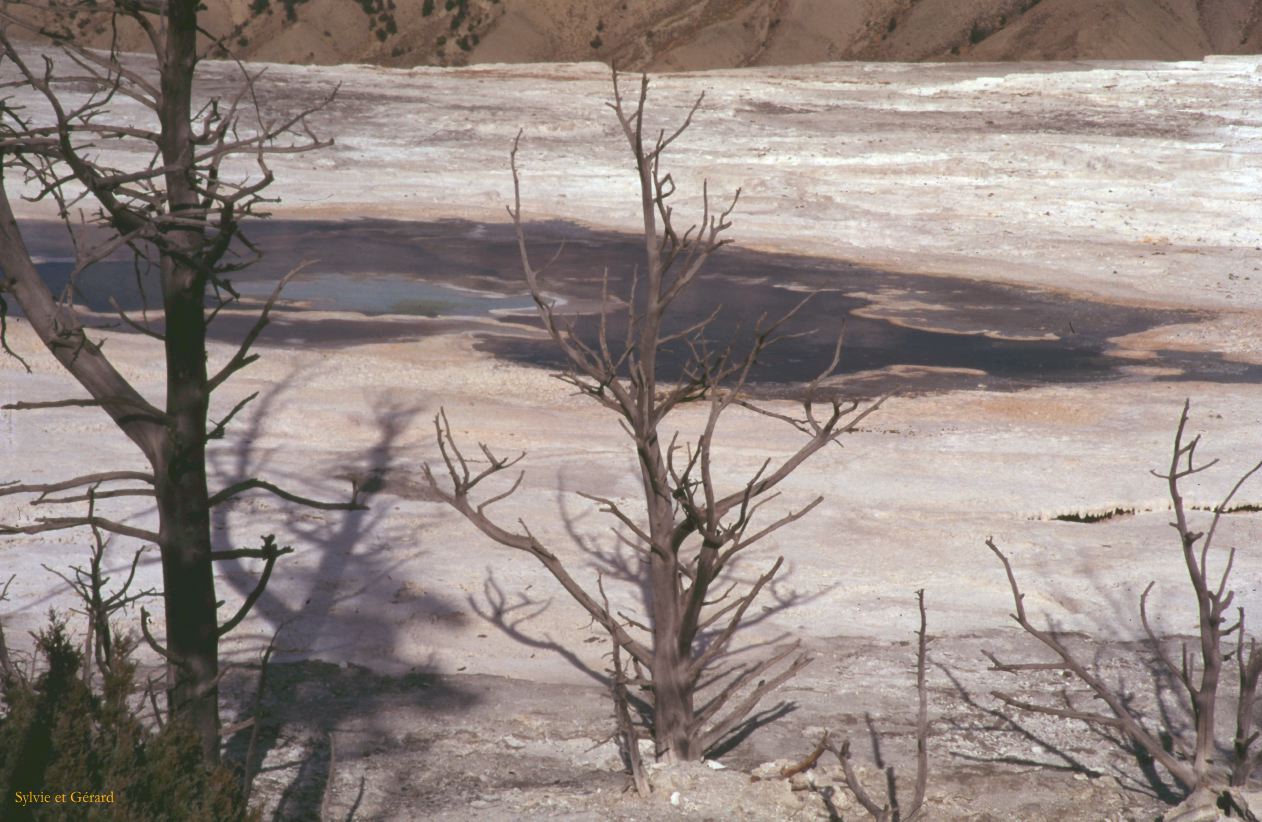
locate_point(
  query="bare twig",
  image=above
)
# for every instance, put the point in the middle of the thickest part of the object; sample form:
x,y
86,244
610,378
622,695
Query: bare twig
x,y
251,751
622,711
893,810
270,552
6,662
790,771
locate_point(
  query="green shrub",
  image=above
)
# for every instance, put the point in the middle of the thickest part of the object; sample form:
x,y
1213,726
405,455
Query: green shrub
x,y
65,742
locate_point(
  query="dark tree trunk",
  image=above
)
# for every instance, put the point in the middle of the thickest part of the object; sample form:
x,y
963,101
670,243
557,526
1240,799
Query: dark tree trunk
x,y
184,519
673,719
183,508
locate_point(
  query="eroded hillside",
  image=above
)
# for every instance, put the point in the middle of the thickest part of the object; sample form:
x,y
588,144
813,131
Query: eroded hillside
x,y
701,34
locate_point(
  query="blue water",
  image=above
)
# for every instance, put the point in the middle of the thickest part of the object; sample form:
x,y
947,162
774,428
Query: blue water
x,y
384,294
368,294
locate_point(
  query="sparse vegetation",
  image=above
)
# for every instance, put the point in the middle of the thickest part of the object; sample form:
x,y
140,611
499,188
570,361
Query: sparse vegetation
x,y
73,720
291,9
58,735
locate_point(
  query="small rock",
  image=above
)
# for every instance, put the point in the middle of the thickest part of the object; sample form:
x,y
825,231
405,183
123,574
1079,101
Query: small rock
x,y
803,781
514,743
1251,799
674,799
1201,806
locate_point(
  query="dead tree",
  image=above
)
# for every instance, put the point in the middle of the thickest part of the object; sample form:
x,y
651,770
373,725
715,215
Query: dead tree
x,y
178,210
6,662
1196,764
104,646
99,607
692,524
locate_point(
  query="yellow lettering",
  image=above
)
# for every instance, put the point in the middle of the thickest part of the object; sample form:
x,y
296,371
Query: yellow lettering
x,y
24,798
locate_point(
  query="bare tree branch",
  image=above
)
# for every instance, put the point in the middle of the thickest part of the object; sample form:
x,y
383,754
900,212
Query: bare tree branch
x,y
269,553
222,496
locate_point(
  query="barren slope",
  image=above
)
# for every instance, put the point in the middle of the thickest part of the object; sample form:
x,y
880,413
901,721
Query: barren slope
x,y
702,34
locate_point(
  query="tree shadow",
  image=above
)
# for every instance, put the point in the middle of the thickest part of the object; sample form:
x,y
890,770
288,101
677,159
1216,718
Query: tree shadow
x,y
1005,720
747,727
1144,684
319,607
317,719
510,617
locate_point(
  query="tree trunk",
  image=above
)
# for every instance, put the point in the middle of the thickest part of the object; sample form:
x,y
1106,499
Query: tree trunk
x,y
184,516
673,725
672,698
189,594
183,509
